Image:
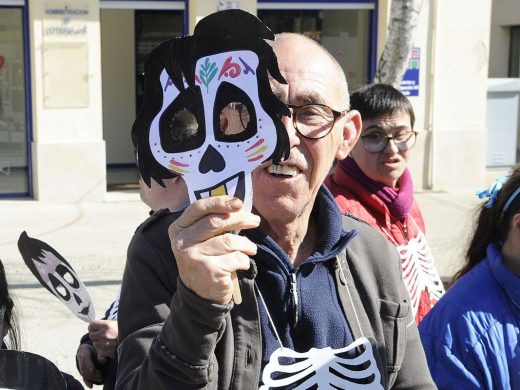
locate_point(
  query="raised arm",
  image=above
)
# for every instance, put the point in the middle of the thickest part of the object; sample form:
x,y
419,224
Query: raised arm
x,y
176,295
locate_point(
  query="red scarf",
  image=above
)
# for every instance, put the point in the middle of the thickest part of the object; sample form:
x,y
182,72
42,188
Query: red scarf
x,y
398,200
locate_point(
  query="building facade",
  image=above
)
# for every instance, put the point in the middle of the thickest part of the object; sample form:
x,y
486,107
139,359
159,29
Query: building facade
x,y
71,81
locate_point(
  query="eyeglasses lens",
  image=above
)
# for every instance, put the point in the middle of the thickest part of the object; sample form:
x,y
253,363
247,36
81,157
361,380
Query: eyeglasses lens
x,y
314,121
377,142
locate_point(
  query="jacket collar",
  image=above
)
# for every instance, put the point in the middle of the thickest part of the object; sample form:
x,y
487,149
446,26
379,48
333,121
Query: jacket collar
x,y
369,199
507,279
332,239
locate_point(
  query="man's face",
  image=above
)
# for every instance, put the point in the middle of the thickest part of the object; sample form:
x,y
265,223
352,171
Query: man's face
x,y
388,165
289,190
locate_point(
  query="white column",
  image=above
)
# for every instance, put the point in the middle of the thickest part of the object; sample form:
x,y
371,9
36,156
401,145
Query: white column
x,y
68,149
457,93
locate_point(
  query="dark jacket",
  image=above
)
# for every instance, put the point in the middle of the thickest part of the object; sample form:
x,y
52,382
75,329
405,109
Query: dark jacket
x,y
172,339
109,368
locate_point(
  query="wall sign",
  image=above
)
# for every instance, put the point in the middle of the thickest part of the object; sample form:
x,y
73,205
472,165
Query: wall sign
x,y
65,22
410,84
222,5
65,55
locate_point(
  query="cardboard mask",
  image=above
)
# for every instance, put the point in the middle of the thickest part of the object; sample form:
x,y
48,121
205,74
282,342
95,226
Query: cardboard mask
x,y
57,275
209,114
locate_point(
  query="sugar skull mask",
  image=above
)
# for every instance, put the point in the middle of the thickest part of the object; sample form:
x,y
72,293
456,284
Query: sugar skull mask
x,y
57,275
209,114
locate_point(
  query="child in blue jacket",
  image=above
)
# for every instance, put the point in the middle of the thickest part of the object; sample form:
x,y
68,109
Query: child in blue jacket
x,y
471,337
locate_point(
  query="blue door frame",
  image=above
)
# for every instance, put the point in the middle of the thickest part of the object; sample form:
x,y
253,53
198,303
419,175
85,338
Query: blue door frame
x,y
28,110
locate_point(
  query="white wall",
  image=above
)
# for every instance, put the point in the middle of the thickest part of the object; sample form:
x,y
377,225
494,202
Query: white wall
x,y
68,149
458,93
451,107
118,69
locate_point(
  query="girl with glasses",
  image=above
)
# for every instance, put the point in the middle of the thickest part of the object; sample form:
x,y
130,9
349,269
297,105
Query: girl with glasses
x,y
374,184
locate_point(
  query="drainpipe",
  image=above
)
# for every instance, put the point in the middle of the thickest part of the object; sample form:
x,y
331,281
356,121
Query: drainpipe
x,y
429,170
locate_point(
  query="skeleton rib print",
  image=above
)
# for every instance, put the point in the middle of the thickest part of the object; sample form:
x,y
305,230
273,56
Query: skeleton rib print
x,y
419,272
323,369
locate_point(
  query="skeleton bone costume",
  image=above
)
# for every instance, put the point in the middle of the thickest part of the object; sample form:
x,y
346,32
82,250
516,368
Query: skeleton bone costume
x,y
172,338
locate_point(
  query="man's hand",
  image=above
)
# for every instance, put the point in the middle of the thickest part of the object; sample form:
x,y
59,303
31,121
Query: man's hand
x,y
206,250
86,357
103,334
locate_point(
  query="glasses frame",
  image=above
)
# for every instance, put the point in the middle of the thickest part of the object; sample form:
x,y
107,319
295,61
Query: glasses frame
x,y
295,109
391,137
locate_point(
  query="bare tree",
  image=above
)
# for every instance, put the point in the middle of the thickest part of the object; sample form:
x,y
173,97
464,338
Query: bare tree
x,y
404,15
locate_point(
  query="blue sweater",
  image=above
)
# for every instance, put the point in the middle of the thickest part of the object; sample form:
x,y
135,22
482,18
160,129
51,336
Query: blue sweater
x,y
303,302
471,336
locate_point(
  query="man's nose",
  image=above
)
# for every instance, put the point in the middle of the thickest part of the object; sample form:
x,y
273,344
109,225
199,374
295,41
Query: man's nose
x,y
391,147
294,138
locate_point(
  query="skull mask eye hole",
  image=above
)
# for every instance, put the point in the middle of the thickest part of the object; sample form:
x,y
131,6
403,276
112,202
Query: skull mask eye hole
x,y
234,114
182,124
65,273
234,118
59,287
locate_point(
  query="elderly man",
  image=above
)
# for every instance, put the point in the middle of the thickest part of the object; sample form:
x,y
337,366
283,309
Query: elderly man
x,y
322,306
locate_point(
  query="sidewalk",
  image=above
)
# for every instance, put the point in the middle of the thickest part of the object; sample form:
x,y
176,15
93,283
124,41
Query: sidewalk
x,y
94,239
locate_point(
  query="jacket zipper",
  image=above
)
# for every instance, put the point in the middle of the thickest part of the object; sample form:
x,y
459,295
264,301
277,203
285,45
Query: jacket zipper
x,y
294,299
405,231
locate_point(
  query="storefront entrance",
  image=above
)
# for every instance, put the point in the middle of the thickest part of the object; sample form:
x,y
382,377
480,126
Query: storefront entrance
x,y
131,31
127,37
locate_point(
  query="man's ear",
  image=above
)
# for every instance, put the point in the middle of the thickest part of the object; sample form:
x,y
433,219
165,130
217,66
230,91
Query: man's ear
x,y
351,133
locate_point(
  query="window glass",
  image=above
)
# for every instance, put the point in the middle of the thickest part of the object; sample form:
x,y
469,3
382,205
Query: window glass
x,y
14,177
344,33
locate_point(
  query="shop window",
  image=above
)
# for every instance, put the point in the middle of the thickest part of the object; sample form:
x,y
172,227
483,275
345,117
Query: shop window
x,y
344,33
14,175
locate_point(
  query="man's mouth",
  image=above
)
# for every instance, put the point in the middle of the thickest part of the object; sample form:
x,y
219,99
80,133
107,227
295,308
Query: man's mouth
x,y
233,186
283,170
391,161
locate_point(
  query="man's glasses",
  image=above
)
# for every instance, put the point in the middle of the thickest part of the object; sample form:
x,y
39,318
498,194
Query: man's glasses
x,y
314,121
378,141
